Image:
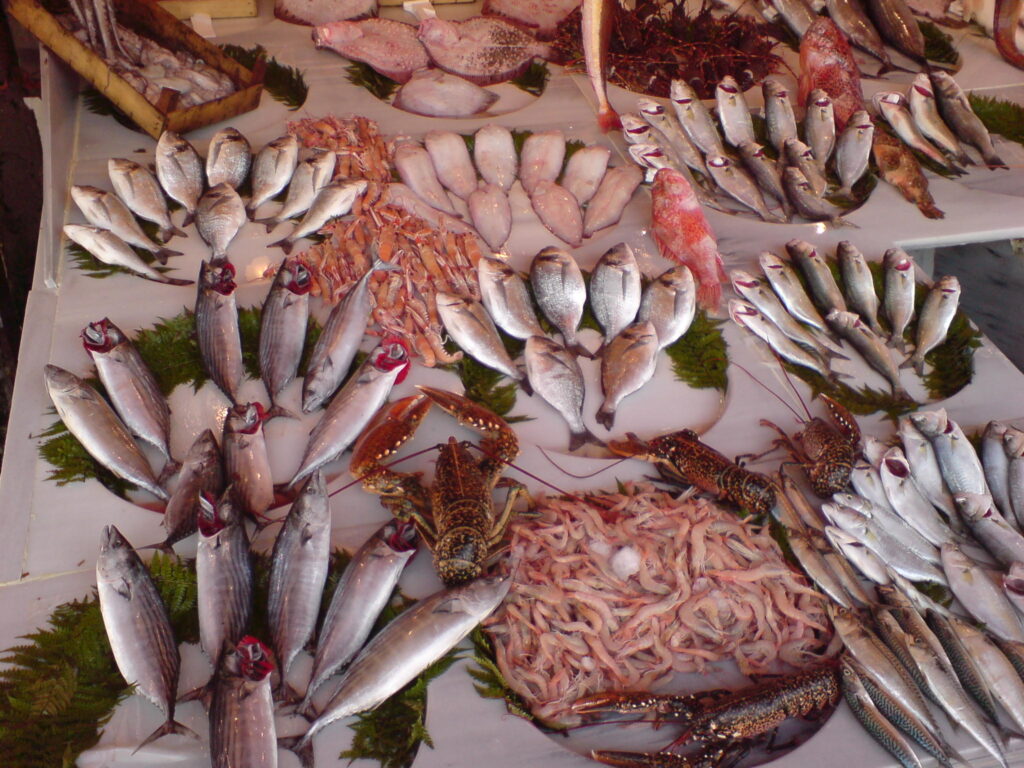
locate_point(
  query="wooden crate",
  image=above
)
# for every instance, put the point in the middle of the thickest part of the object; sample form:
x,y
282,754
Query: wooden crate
x,y
147,18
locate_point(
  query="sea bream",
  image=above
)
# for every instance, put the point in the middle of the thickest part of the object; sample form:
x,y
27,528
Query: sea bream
x,y
242,728
556,376
614,291
494,154
110,249
140,191
507,299
389,47
436,93
283,321
179,169
105,210
219,217
560,292
416,169
310,176
216,316
228,158
333,200
246,461
202,471
272,170
472,329
627,363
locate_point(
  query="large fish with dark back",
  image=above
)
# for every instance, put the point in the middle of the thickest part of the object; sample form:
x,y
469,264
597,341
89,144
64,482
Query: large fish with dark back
x,y
202,471
283,323
246,460
220,343
242,729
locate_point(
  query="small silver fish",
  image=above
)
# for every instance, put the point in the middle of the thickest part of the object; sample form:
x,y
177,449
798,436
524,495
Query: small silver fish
x,y
242,728
472,329
1013,445
541,158
615,289
506,298
246,461
824,291
111,249
807,203
798,14
201,472
310,176
228,158
820,127
787,286
778,112
800,156
925,111
894,108
106,211
747,316
870,346
669,303
937,313
283,321
560,293
612,196
556,376
695,119
925,466
1003,541
272,170
849,549
997,670
416,169
900,288
908,500
219,216
333,200
494,154
738,184
216,314
584,171
853,151
655,114
140,191
651,158
996,464
179,170
491,214
958,461
766,172
95,425
956,111
627,363
733,112
636,130
450,156
859,284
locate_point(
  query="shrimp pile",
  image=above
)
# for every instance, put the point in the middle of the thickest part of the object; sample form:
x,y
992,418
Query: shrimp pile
x,y
622,591
361,150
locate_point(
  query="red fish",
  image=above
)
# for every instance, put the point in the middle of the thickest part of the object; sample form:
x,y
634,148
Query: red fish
x,y
826,62
1005,21
684,235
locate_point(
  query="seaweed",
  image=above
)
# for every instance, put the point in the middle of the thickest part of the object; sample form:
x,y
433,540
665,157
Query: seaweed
x,y
938,46
284,83
365,76
999,116
700,358
534,79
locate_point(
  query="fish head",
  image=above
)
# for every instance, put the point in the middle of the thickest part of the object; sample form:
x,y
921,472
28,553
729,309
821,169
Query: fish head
x,y
650,107
399,535
741,311
484,594
438,32
994,430
295,276
729,88
650,155
253,659
895,463
1013,442
949,285
1013,579
770,261
847,320
116,556
752,149
679,279
819,99
719,161
897,259
973,506
315,486
798,248
795,177
245,418
336,33
120,166
670,183
634,128
923,86
60,380
98,337
774,88
929,423
619,257
682,93
393,353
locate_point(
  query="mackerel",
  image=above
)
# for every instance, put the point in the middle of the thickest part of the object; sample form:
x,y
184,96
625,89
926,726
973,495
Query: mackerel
x,y
140,191
978,592
998,671
614,290
242,728
874,722
202,471
179,170
507,299
216,316
669,302
246,461
283,321
940,307
105,210
859,284
963,663
472,329
272,170
898,641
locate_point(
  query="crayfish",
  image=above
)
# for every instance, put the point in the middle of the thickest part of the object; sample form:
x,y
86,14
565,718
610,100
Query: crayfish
x,y
456,517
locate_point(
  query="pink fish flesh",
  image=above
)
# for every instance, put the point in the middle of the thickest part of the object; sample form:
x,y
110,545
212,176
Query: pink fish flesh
x,y
541,158
541,16
611,198
416,169
401,196
389,47
491,214
454,167
315,12
482,50
584,171
435,93
558,210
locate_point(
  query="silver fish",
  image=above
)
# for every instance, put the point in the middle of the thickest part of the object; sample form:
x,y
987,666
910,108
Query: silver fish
x,y
733,112
766,172
807,203
560,292
298,571
558,210
747,316
111,249
788,287
179,169
803,510
494,153
996,465
980,594
220,343
361,594
246,462
615,191
336,347
870,346
853,151
584,171
541,158
757,293
911,619
201,472
228,158
140,191
937,313
850,17
450,156
669,302
352,408
1004,542
472,329
651,158
655,114
1013,587
1013,444
627,363
908,500
799,155
817,569
891,526
491,214
824,289
859,284
224,574
956,111
636,130
506,298
917,449
272,170
695,119
106,211
310,176
615,289
867,483
219,216
820,127
408,645
896,23
963,664
332,201
95,425
894,108
416,169
798,14
283,321
850,549
925,111
556,376
138,628
778,113
998,672
900,288
961,468
739,185
242,728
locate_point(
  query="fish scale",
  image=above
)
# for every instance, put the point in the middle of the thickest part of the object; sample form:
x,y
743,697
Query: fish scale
x,y
875,723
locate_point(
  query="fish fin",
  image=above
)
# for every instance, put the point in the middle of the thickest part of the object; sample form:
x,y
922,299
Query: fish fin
x,y
578,439
163,546
171,726
901,394
524,384
170,467
285,245
190,216
606,417
161,254
280,411
167,280
166,233
270,223
930,210
709,295
201,693
608,120
993,161
578,349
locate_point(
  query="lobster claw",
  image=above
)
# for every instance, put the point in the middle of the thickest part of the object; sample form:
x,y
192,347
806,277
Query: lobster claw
x,y
639,702
631,447
501,438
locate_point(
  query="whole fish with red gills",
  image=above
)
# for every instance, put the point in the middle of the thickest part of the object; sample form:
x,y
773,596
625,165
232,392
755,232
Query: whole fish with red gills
x,y
684,235
826,62
596,31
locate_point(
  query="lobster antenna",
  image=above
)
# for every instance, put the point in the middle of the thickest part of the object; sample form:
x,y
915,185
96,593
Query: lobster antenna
x,y
596,472
792,386
530,475
390,464
771,392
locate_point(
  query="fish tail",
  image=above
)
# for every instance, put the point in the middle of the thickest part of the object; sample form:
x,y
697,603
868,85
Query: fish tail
x,y
280,411
578,349
930,210
912,362
161,254
709,294
171,726
606,416
163,546
578,439
169,280
524,384
270,223
190,216
170,467
302,748
993,161
166,233
285,245
608,119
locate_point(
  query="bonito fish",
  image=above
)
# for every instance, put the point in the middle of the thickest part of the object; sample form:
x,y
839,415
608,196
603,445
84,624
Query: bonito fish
x,y
220,343
242,729
202,471
246,461
283,323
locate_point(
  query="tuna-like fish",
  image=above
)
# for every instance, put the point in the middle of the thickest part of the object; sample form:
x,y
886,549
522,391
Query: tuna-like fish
x,y
610,199
283,329
556,376
436,93
470,326
506,298
494,154
778,112
228,158
450,156
272,170
560,292
179,169
853,151
896,22
242,728
615,289
669,303
859,284
416,169
937,314
957,112
827,62
874,722
541,158
483,50
389,47
627,363
797,14
332,201
695,118
584,172
106,211
220,343
900,288
202,471
491,215
733,112
95,425
598,18
310,176
140,191
870,346
558,210
111,249
898,166
246,461
219,216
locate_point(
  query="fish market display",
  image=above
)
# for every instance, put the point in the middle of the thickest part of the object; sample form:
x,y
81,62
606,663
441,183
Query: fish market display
x,y
314,12
389,46
483,50
543,16
242,728
826,62
106,211
110,249
898,166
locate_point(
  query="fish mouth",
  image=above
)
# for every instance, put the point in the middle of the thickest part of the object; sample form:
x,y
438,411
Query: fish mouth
x,y
400,535
96,338
207,519
111,539
728,88
255,662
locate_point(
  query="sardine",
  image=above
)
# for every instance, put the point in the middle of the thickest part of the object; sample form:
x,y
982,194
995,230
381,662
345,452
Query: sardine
x,y
310,176
560,293
283,321
996,464
352,408
541,159
908,500
900,288
859,284
224,574
216,315
956,111
332,201
799,155
888,524
610,199
506,298
747,316
339,341
179,169
228,158
757,293
138,628
917,449
766,172
820,127
201,472
683,148
998,672
1004,542
850,549
491,214
106,211
925,111
408,645
597,21
361,594
980,595
896,23
298,571
558,210
807,203
940,307
246,461
824,290
787,286
472,329
615,290
140,191
494,153
219,216
739,185
870,346
450,156
242,728
95,425
778,113
853,151
961,468
556,376
1013,445
111,249
733,112
272,170
627,363
695,119
669,303
894,108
